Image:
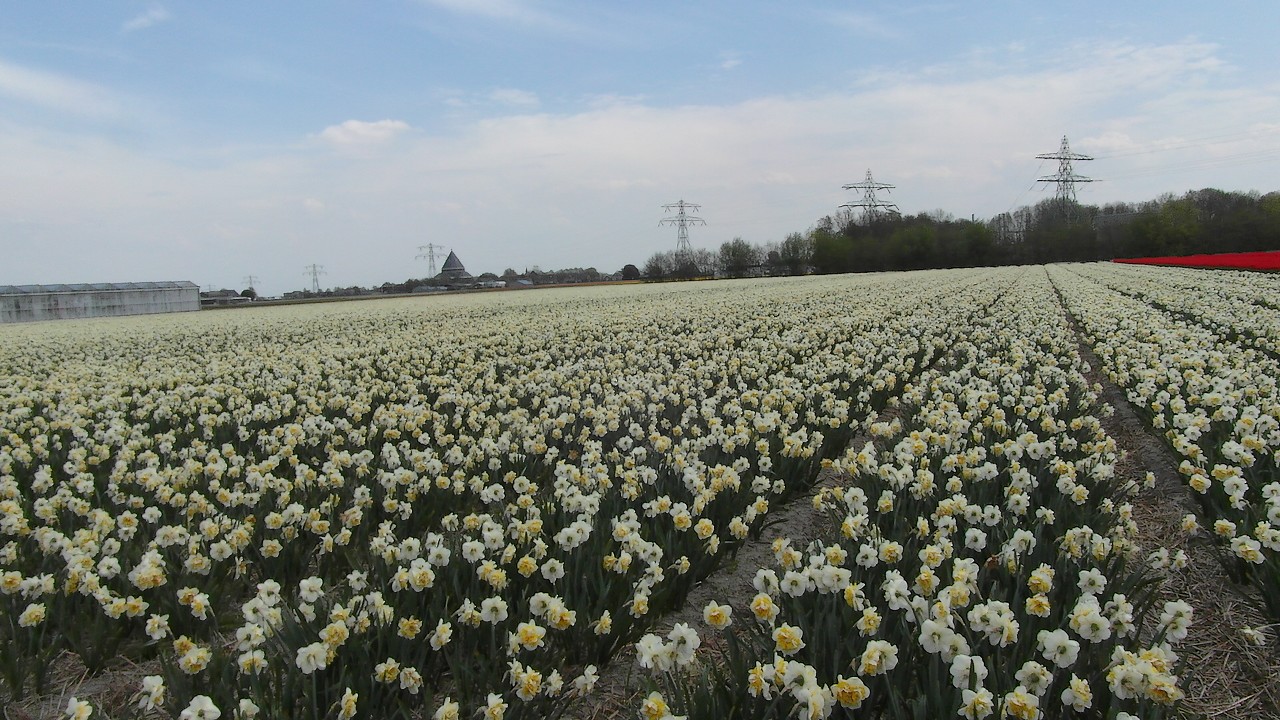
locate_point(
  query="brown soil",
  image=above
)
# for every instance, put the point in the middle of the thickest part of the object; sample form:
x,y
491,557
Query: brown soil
x,y
111,693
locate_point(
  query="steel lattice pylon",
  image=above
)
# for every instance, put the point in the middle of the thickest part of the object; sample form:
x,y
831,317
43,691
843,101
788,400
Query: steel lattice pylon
x,y
429,252
871,206
315,271
1066,177
682,220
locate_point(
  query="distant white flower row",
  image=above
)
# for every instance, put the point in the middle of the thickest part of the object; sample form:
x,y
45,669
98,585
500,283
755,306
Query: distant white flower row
x,y
1197,353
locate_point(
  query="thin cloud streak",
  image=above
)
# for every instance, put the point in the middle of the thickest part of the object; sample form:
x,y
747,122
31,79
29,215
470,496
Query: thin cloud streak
x,y
56,92
512,96
359,132
865,25
155,15
518,12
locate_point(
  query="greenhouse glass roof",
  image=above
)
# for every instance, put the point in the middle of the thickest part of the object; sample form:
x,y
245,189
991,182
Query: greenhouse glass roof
x,y
92,287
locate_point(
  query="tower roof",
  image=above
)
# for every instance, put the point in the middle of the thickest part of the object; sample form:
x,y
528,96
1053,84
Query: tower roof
x,y
452,263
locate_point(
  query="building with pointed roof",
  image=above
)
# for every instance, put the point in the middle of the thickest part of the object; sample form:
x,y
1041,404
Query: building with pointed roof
x,y
453,273
452,263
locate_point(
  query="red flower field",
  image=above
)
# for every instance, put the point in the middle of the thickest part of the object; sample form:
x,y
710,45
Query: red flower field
x,y
1238,261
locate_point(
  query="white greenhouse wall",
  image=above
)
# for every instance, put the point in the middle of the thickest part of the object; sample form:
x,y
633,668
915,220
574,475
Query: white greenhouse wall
x,y
30,307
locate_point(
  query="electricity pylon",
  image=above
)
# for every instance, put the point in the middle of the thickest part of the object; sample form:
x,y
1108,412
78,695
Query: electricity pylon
x,y
871,206
429,252
1066,177
682,220
315,271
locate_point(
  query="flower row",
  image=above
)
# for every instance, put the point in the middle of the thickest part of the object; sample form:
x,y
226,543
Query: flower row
x,y
367,510
1199,370
980,562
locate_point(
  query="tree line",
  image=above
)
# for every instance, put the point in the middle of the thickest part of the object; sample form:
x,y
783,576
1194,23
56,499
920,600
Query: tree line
x,y
1199,221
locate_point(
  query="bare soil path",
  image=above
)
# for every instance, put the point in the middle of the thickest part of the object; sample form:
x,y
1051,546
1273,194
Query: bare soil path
x,y
1228,674
620,690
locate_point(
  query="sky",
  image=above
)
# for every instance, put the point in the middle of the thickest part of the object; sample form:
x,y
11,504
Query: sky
x,y
223,142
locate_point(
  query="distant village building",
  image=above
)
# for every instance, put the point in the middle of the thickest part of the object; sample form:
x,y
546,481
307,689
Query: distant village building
x,y
453,274
214,298
26,303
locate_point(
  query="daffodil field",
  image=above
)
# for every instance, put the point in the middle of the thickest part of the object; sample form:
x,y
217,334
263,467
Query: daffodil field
x,y
469,506
1198,354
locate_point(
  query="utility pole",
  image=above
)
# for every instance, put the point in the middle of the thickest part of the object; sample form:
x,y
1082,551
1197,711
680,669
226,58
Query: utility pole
x,y
428,251
1066,178
315,271
871,206
682,220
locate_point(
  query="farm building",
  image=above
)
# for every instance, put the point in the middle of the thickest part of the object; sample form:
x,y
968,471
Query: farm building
x,y
27,303
453,273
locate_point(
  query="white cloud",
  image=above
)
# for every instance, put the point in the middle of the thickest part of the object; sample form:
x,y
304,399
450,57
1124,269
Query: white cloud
x,y
1110,142
361,133
521,12
865,25
55,91
500,9
729,61
596,102
512,96
586,188
155,15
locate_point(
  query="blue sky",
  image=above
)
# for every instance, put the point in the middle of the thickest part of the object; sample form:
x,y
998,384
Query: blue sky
x,y
214,141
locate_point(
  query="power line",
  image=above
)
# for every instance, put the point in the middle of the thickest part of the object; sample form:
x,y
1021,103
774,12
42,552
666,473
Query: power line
x,y
315,271
1246,158
682,220
871,206
429,252
1189,143
1023,194
251,281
